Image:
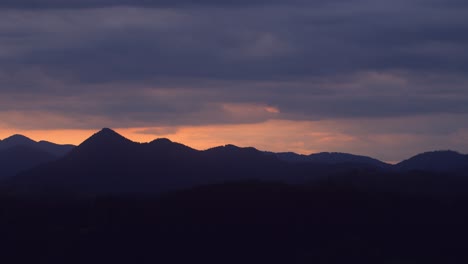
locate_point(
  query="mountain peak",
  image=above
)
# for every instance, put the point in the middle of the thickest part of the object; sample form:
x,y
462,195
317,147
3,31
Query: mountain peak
x,y
162,141
106,136
18,139
107,130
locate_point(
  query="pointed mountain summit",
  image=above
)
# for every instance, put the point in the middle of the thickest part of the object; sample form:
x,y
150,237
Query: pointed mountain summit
x,y
105,145
106,136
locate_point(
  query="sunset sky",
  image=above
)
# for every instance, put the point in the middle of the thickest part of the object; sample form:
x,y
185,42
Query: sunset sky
x,y
386,79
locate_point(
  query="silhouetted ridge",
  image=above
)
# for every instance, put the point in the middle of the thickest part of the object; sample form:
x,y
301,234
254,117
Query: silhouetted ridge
x,y
332,158
237,154
161,141
20,140
337,158
16,140
236,160
446,160
105,137
163,148
105,145
110,163
229,148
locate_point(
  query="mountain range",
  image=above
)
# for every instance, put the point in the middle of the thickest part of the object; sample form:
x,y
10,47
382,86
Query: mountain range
x,y
110,163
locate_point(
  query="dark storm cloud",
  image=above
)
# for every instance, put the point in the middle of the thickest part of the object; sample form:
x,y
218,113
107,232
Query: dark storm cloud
x,y
344,59
223,44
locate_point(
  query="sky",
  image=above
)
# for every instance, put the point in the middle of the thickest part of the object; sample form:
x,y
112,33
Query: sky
x,y
386,79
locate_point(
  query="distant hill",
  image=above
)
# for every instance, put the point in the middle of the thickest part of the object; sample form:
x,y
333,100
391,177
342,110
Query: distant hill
x,y
438,161
20,140
334,158
19,158
16,140
19,153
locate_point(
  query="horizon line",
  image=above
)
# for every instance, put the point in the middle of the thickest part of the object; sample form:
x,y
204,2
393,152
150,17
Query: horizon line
x,y
223,145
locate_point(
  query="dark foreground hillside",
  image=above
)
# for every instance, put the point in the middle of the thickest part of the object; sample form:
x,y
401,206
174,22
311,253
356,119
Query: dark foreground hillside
x,y
248,222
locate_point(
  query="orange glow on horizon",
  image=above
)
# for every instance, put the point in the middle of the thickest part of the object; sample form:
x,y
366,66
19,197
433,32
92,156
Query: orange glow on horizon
x,y
304,137
274,135
57,136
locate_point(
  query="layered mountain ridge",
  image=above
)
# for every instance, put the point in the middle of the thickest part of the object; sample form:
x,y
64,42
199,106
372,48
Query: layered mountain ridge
x,y
110,163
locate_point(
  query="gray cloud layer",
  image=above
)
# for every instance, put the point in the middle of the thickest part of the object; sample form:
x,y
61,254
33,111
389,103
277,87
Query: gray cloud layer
x,y
69,4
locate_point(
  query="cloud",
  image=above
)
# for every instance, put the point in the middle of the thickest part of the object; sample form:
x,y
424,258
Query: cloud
x,y
170,64
158,131
370,95
60,4
138,43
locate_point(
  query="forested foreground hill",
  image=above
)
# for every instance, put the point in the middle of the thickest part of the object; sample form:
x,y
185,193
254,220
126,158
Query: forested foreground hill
x,y
247,222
